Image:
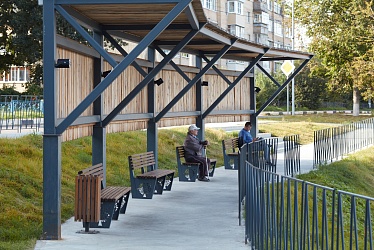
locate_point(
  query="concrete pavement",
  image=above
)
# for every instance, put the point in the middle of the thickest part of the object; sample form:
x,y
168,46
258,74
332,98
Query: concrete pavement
x,y
200,215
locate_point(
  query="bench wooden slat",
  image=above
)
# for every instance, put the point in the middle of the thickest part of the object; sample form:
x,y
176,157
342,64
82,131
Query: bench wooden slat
x,y
230,152
142,160
87,192
181,152
113,193
91,198
145,179
155,173
94,170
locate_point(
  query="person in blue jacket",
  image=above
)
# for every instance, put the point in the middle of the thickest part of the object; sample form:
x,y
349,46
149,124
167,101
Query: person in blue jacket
x,y
246,137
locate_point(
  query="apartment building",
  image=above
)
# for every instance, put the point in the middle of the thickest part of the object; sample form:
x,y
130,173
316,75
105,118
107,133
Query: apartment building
x,y
259,21
16,77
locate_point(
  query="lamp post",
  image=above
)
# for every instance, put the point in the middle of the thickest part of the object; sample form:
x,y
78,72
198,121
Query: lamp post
x,y
293,46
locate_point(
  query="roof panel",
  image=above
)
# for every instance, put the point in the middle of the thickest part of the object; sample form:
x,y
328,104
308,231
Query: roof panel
x,y
133,21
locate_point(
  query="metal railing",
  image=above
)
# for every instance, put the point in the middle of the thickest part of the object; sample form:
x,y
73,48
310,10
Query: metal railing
x,y
334,143
17,112
287,213
291,155
262,153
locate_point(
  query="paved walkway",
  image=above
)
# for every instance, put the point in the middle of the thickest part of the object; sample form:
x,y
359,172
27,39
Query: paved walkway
x,y
196,215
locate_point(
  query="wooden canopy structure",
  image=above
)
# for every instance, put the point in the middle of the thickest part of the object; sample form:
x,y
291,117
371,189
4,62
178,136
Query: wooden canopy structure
x,y
154,25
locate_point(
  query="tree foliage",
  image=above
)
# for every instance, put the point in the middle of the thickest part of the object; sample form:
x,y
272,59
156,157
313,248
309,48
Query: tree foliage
x,y
268,87
310,89
339,31
21,37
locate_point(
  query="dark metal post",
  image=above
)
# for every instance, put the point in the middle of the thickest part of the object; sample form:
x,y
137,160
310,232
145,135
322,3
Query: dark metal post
x,y
199,101
99,133
252,103
152,133
51,140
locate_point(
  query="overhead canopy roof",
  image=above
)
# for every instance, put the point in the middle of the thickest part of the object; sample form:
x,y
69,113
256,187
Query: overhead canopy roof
x,y
133,20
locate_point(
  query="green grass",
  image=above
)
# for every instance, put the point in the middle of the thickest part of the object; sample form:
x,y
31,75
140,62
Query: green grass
x,y
305,125
354,173
21,171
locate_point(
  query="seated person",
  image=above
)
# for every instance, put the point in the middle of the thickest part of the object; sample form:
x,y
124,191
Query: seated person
x,y
193,152
246,137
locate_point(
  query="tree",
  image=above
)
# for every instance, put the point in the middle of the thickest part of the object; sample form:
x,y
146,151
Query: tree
x,y
268,88
21,38
310,89
21,33
337,29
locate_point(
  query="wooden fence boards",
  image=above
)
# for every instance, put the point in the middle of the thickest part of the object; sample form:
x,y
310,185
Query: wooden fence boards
x,y
75,83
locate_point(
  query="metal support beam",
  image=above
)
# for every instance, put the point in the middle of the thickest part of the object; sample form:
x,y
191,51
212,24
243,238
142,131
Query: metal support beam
x,y
149,77
98,133
51,140
116,1
271,99
146,41
252,104
268,75
175,66
124,53
199,102
191,15
194,80
218,71
152,133
240,77
86,36
51,187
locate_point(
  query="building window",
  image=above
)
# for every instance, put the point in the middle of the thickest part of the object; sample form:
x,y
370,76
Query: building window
x,y
236,30
288,32
266,65
277,8
257,18
209,4
235,62
270,25
248,17
270,5
261,18
278,30
185,55
235,7
277,66
17,74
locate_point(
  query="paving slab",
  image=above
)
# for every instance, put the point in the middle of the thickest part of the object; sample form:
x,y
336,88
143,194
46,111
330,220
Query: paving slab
x,y
193,215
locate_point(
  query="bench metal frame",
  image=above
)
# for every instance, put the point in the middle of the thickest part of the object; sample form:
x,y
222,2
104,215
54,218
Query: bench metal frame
x,y
231,153
105,203
151,180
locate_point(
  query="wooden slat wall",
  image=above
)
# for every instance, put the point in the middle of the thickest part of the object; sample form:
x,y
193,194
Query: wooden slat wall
x,y
75,83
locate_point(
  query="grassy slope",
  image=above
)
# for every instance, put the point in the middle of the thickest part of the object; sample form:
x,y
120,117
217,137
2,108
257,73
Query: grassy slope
x,y
21,172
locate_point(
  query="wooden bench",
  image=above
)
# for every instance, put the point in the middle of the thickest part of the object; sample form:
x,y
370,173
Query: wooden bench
x,y
145,179
95,204
189,171
230,148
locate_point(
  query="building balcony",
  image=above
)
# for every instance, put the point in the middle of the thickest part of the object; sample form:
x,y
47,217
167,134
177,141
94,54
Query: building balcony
x,y
260,7
260,28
